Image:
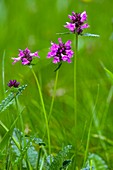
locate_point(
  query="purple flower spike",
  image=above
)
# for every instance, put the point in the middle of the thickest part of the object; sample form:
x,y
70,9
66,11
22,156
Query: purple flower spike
x,y
76,24
25,56
60,52
13,83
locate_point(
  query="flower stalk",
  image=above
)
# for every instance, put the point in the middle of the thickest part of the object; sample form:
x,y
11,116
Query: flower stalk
x,y
76,26
60,53
53,96
43,107
75,84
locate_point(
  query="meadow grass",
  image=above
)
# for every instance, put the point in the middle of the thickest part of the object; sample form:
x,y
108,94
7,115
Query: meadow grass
x,y
37,127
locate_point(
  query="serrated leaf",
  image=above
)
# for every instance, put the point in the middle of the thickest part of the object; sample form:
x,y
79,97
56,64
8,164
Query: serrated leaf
x,y
88,166
85,34
32,155
16,142
90,35
6,102
26,147
38,141
59,158
11,98
95,162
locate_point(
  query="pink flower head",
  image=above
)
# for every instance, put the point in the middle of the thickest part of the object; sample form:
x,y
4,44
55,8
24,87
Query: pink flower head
x,y
25,56
13,83
76,24
60,52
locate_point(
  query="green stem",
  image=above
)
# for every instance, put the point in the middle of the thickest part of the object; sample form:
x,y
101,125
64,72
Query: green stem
x,y
7,130
39,155
87,144
43,157
75,67
53,96
91,164
19,114
3,73
43,107
22,127
90,126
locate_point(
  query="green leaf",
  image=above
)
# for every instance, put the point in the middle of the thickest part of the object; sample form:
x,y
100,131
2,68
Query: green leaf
x,y
58,160
38,141
23,149
65,164
59,65
95,162
7,134
11,98
90,35
32,155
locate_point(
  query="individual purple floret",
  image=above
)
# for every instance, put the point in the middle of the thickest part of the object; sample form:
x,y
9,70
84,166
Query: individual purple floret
x,y
76,25
25,56
13,83
60,52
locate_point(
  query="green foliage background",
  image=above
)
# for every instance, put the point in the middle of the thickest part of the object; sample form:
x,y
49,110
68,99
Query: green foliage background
x,y
34,24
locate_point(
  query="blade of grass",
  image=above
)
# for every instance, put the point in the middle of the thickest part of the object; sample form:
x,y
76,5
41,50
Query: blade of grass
x,y
8,132
107,104
3,73
90,126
